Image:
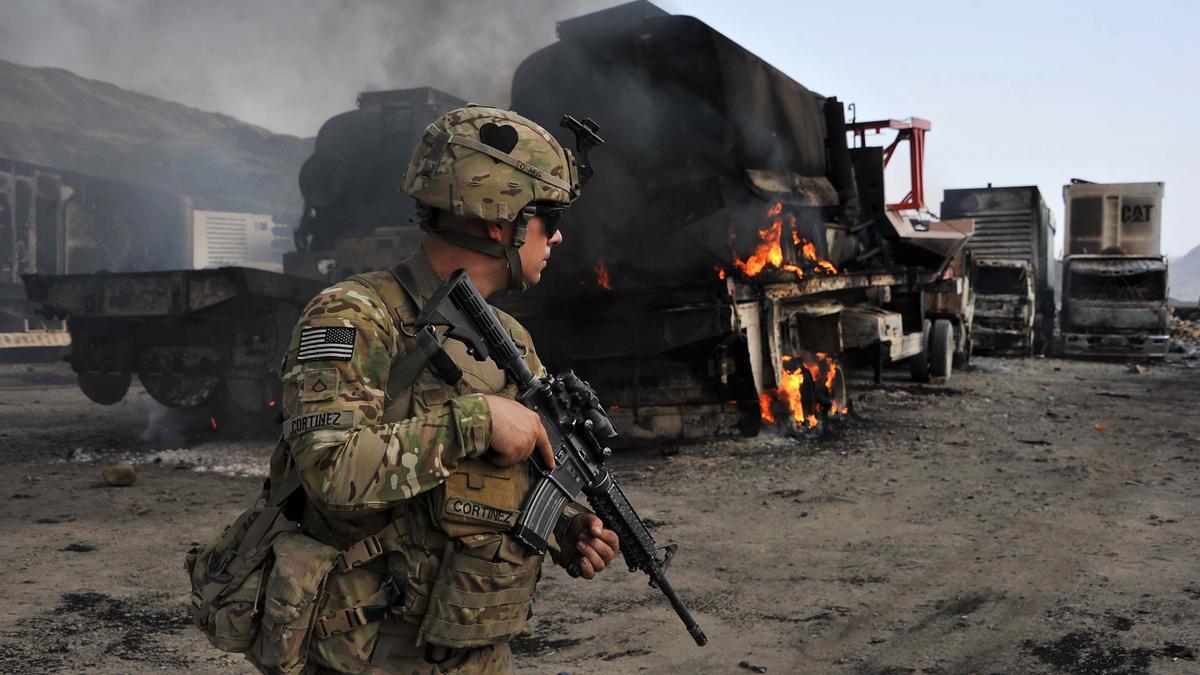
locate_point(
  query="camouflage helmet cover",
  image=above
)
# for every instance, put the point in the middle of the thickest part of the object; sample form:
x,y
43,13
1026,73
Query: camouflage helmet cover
x,y
488,163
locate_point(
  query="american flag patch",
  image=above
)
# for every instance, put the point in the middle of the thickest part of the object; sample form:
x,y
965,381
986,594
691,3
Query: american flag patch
x,y
326,344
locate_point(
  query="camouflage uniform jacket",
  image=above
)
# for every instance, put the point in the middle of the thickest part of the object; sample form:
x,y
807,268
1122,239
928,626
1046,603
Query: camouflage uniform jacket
x,y
356,460
366,462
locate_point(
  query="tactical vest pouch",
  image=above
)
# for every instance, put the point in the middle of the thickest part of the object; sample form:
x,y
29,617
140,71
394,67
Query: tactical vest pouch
x,y
418,564
228,575
483,592
480,498
347,624
293,591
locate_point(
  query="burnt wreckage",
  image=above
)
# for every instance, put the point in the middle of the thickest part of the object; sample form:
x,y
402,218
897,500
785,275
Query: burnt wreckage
x,y
61,222
1114,299
730,248
1015,278
731,243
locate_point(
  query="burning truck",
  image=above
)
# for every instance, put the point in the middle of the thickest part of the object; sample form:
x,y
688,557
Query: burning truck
x,y
731,249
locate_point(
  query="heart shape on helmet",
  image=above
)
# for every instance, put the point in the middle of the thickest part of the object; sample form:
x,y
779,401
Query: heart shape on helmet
x,y
500,137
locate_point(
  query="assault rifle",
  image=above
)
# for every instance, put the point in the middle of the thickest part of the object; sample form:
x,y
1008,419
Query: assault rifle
x,y
578,429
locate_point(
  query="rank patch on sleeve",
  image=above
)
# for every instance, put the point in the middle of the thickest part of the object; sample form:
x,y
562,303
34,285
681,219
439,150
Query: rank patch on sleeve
x,y
319,384
332,343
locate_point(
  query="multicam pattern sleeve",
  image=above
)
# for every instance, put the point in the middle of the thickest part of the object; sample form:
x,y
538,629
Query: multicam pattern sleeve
x,y
334,379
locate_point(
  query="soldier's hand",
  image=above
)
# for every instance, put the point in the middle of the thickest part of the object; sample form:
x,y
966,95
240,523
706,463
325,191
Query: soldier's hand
x,y
595,545
516,432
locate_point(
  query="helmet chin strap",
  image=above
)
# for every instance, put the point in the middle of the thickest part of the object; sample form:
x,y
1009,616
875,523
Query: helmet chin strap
x,y
516,275
511,253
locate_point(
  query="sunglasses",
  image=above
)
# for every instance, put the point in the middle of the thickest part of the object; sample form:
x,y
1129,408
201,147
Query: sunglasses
x,y
551,216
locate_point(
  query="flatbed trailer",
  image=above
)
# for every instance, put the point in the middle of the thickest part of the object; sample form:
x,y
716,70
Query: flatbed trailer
x,y
194,338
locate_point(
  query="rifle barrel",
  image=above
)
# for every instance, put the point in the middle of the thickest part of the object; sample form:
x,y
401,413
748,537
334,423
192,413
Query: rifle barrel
x,y
693,628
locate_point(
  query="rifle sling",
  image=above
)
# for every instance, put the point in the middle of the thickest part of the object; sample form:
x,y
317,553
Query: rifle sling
x,y
408,368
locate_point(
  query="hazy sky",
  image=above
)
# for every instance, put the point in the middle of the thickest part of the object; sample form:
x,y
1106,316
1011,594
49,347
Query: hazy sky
x,y
1019,92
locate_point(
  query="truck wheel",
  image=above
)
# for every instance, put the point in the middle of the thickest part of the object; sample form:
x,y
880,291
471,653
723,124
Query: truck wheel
x,y
918,364
104,388
178,390
941,349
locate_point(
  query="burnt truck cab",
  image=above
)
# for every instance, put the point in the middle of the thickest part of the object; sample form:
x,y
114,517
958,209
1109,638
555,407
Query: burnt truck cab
x,y
1114,299
1016,282
1005,306
1115,305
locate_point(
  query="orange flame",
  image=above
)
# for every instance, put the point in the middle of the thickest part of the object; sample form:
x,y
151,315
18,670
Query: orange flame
x,y
822,372
720,272
602,275
769,252
212,422
271,403
764,405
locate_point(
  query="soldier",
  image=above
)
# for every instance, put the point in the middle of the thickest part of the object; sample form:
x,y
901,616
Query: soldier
x,y
412,479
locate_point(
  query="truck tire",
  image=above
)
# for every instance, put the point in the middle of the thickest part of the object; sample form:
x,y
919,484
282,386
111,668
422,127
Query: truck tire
x,y
941,349
179,390
918,364
104,388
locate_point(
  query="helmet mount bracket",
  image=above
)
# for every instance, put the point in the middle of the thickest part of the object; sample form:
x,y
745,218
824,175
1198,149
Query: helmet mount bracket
x,y
586,138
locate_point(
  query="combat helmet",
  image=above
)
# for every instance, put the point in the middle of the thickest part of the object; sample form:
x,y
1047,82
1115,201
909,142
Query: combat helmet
x,y
494,165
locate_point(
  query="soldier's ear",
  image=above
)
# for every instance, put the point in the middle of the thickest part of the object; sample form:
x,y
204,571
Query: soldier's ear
x,y
495,231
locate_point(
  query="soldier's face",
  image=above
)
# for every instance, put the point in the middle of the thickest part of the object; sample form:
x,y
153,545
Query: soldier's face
x,y
535,254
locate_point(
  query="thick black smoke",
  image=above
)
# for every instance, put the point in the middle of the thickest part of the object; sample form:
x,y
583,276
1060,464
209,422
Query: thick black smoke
x,y
282,64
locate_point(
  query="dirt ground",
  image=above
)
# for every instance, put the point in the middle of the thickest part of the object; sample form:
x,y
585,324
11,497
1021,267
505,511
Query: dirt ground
x,y
1030,516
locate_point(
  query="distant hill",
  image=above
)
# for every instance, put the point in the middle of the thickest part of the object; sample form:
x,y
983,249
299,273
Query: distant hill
x,y
55,118
1184,276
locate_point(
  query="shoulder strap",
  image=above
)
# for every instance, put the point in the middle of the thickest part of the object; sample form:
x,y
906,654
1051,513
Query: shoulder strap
x,y
409,367
406,369
404,277
288,484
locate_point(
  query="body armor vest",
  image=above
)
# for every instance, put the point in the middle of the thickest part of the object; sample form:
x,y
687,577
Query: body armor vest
x,y
461,578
